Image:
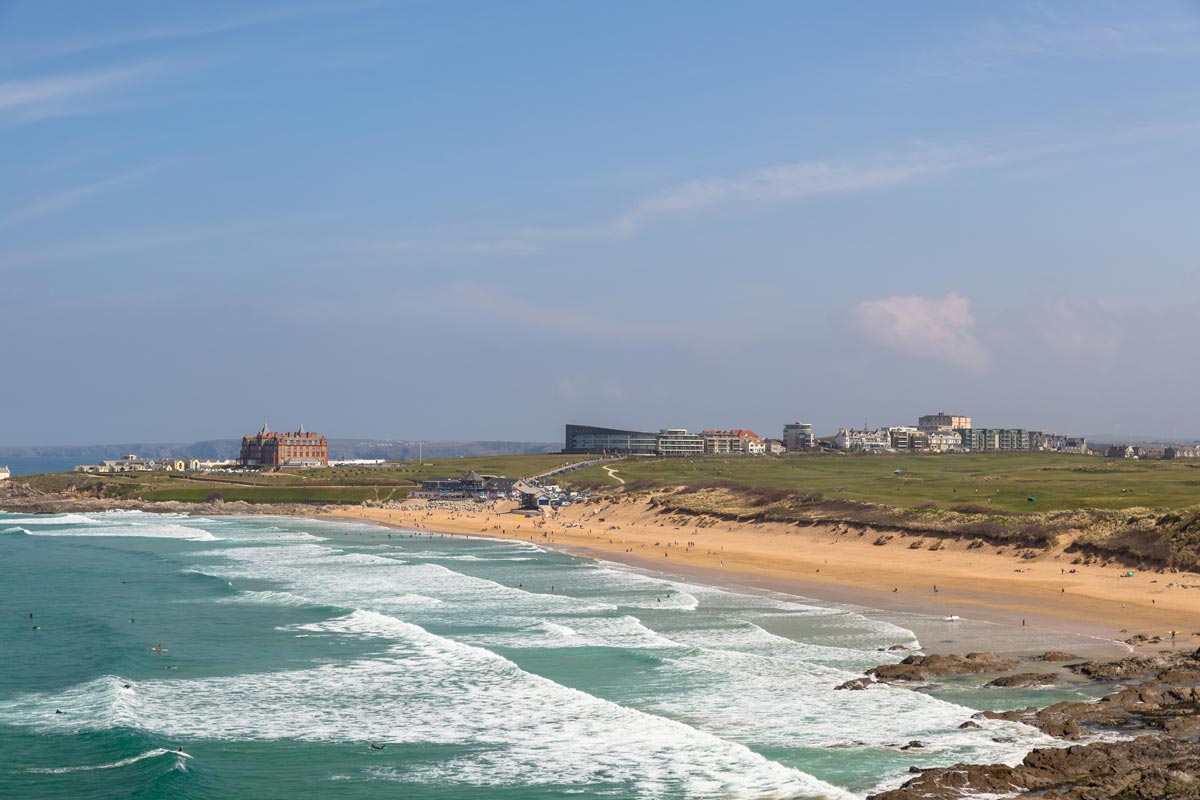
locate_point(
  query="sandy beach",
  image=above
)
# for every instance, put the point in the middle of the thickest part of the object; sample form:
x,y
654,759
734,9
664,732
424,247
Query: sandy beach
x,y
1048,593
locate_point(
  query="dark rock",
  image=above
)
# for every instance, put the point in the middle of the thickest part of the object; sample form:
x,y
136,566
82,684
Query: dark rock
x,y
1125,669
857,684
1023,679
919,668
970,725
1146,768
1143,638
915,744
1055,655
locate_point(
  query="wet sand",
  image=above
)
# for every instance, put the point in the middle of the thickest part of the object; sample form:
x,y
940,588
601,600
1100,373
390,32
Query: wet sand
x,y
844,566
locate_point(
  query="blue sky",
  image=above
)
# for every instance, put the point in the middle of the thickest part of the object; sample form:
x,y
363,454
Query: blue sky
x,y
484,220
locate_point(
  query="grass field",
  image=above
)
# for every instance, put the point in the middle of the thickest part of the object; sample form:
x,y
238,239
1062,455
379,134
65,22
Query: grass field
x,y
332,485
1001,481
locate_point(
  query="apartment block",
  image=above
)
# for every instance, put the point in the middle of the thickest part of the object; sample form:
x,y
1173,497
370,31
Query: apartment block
x,y
798,436
941,421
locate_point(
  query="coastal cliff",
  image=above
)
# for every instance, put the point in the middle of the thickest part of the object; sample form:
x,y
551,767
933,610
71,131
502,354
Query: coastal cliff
x,y
1157,756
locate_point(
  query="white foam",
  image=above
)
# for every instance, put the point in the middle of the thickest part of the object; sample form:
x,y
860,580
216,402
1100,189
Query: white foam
x,y
270,597
124,762
49,519
777,701
726,674
136,532
428,689
561,630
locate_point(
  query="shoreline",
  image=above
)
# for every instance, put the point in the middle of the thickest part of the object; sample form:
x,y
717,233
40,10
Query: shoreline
x,y
828,564
820,562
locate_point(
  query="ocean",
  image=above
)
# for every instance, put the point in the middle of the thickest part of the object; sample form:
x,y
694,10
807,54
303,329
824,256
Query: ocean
x,y
38,465
270,657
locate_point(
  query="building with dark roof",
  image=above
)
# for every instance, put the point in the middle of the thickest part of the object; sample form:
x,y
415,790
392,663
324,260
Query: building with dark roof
x,y
590,439
268,448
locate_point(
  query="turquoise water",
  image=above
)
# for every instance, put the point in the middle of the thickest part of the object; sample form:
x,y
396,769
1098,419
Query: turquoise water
x,y
481,668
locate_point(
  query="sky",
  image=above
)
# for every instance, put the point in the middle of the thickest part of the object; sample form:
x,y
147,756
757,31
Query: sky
x,y
452,220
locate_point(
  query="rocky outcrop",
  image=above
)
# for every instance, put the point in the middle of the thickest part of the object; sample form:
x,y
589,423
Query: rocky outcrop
x,y
1022,679
1052,720
1055,655
1146,768
856,684
1163,762
921,668
1132,667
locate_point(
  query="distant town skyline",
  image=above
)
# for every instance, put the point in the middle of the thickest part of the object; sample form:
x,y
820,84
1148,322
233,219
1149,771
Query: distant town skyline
x,y
484,221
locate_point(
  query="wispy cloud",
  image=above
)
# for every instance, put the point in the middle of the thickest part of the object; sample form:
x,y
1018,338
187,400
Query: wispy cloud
x,y
1059,37
493,302
69,94
788,183
1012,44
134,242
1070,330
453,247
769,185
58,202
174,32
941,329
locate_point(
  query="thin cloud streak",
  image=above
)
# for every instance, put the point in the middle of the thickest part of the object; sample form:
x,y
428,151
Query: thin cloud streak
x,y
477,299
1067,38
137,242
171,33
1002,48
70,94
65,200
451,247
781,183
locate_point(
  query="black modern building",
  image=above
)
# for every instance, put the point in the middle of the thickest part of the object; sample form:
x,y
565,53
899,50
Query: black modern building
x,y
590,439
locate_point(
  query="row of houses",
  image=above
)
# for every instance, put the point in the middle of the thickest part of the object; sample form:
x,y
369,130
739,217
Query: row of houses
x,y
134,463
933,433
1141,452
902,439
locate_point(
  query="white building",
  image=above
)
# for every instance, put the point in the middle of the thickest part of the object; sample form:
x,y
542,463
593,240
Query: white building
x,y
865,441
678,442
134,463
204,465
944,442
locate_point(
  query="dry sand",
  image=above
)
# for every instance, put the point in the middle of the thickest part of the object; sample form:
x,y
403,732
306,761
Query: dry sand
x,y
837,564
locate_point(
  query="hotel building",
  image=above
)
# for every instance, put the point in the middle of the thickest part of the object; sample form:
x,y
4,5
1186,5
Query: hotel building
x,y
268,448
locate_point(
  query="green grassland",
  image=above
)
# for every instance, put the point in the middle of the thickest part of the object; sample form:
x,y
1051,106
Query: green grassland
x,y
348,484
1003,482
1144,514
